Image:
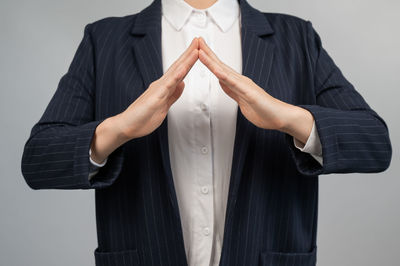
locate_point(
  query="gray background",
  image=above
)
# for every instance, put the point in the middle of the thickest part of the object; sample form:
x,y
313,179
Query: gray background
x,y
358,213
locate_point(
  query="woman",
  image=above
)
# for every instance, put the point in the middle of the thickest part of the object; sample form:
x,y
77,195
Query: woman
x,y
256,111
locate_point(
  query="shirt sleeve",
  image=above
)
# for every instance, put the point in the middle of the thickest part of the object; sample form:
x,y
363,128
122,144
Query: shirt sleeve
x,y
94,167
312,146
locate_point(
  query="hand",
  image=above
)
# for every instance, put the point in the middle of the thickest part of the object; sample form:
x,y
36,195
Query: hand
x,y
255,103
148,111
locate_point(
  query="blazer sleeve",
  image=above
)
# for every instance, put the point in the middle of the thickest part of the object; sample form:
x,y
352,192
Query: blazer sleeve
x,y
354,137
55,156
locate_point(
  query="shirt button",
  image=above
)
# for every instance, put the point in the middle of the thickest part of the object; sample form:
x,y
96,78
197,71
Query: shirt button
x,y
204,190
202,73
199,15
206,231
204,149
203,106
199,18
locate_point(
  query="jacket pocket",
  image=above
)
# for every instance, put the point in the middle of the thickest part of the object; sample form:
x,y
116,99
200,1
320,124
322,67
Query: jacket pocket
x,y
270,258
116,258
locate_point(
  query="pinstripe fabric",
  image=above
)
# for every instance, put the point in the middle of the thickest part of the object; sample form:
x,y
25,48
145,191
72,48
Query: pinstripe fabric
x,y
271,216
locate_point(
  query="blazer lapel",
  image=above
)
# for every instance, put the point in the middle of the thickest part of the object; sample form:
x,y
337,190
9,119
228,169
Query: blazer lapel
x,y
147,50
257,59
146,44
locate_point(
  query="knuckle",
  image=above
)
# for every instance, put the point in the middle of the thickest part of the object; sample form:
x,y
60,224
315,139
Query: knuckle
x,y
176,78
168,82
179,74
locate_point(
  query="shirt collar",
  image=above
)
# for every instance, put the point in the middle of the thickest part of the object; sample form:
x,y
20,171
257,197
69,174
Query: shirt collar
x,y
222,12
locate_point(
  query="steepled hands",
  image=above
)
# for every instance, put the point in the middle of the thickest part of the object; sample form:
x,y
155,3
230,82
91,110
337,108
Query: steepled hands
x,y
149,110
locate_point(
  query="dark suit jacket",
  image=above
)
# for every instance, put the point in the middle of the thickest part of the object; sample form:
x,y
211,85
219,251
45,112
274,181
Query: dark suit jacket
x,y
271,216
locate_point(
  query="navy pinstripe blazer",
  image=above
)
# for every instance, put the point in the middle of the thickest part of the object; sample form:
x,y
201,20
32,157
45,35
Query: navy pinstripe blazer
x,y
271,217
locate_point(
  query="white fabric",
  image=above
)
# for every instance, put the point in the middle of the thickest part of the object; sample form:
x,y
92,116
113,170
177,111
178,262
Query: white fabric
x,y
312,146
202,123
95,166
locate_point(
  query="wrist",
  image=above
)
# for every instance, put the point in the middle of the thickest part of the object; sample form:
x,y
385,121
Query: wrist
x,y
117,123
297,122
92,161
107,137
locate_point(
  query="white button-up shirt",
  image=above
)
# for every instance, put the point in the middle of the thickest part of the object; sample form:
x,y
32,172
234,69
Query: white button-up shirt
x,y
202,124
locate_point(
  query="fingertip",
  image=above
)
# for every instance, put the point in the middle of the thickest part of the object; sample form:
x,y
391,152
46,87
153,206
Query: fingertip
x,y
195,42
200,39
203,44
200,43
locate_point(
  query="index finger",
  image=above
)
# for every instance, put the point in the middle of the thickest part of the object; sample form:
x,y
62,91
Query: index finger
x,y
212,62
178,70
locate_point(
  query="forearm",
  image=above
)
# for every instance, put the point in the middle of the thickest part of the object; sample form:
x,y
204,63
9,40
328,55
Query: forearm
x,y
107,138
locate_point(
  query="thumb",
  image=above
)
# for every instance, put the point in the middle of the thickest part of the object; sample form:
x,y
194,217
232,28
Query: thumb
x,y
177,93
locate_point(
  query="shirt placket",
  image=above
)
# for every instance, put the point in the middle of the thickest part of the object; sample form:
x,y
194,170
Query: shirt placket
x,y
200,86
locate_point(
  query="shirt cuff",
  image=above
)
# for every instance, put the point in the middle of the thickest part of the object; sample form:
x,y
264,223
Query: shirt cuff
x,y
93,162
313,145
94,167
